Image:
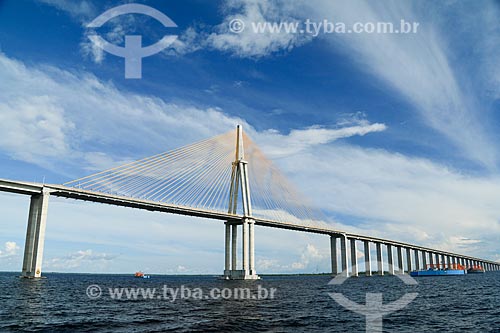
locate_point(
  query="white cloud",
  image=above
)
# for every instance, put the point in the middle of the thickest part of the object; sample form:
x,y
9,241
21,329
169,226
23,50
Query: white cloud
x,y
36,122
10,249
79,9
78,259
190,40
393,196
297,141
250,44
44,123
400,197
421,67
310,255
115,34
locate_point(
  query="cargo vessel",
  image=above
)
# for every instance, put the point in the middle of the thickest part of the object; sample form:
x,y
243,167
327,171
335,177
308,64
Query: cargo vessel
x,y
440,270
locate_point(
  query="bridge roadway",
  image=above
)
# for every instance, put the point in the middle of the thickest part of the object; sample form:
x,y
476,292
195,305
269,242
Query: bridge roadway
x,y
32,188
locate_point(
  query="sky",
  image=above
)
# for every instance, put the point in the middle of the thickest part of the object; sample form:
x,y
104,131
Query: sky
x,y
393,135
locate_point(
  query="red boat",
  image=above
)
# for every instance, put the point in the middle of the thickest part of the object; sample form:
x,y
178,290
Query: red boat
x,y
141,275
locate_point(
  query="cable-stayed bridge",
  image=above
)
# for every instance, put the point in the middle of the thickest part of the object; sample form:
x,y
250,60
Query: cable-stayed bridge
x,y
226,178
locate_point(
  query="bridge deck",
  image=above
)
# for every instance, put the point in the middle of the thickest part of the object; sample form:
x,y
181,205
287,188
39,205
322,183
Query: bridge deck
x,y
30,188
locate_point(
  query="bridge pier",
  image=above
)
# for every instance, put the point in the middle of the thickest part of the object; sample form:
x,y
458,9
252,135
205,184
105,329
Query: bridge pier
x,y
368,259
333,254
251,254
417,260
343,255
354,259
35,236
247,271
400,260
227,250
408,260
390,259
380,263
234,240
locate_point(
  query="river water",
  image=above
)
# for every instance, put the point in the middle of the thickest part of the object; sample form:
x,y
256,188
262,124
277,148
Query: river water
x,y
60,302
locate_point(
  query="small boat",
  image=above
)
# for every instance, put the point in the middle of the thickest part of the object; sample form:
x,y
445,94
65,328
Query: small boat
x,y
141,275
441,270
475,270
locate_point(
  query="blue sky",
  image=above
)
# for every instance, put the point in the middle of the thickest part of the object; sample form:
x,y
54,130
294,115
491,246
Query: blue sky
x,y
394,135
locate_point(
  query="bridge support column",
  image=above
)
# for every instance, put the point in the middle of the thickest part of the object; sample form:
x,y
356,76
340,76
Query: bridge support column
x,y
380,263
390,259
408,260
343,255
251,254
368,259
333,254
354,258
35,236
227,251
234,240
400,260
244,247
231,241
424,259
247,271
417,260
431,258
